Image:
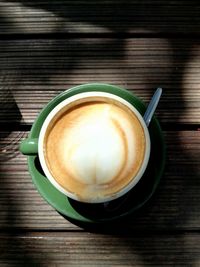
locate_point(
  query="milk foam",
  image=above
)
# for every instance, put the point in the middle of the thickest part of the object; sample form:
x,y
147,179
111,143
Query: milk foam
x,y
95,148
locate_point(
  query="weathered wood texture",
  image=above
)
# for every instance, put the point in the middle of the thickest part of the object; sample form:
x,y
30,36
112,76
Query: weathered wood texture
x,y
175,206
33,71
84,249
99,17
49,46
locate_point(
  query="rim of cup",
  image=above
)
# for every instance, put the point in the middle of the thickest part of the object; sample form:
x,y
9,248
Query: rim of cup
x,y
86,95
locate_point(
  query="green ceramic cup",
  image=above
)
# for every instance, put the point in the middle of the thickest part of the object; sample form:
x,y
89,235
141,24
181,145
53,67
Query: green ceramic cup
x,y
57,198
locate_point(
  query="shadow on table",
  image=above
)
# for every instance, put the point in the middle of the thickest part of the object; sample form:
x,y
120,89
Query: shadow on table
x,y
10,120
132,15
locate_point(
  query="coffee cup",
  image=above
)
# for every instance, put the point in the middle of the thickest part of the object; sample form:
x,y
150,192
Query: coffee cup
x,y
93,146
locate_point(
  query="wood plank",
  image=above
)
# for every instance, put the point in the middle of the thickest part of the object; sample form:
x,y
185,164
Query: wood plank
x,y
86,249
99,17
34,71
175,205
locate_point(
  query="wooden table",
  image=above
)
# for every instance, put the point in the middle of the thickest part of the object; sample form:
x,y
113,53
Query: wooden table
x,y
49,46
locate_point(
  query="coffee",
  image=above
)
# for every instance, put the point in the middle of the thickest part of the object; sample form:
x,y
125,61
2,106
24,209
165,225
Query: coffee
x,y
94,147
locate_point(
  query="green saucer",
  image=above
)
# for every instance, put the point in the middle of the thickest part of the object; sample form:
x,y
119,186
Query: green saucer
x,y
114,210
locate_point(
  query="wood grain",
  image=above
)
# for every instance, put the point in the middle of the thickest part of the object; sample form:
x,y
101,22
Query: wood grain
x,y
175,205
99,17
49,46
85,249
33,71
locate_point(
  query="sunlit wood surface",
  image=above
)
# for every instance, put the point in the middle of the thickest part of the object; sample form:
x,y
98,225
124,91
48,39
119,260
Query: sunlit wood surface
x,y
49,46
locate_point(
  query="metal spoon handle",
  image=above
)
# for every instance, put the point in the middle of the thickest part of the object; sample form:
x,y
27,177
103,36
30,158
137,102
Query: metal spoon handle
x,y
152,106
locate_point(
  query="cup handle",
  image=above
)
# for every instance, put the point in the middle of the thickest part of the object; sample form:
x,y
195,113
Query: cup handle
x,y
29,146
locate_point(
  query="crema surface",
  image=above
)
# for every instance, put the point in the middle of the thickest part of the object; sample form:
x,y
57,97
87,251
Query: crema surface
x,y
94,149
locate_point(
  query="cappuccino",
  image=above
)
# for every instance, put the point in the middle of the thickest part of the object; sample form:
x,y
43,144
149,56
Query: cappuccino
x,y
94,147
